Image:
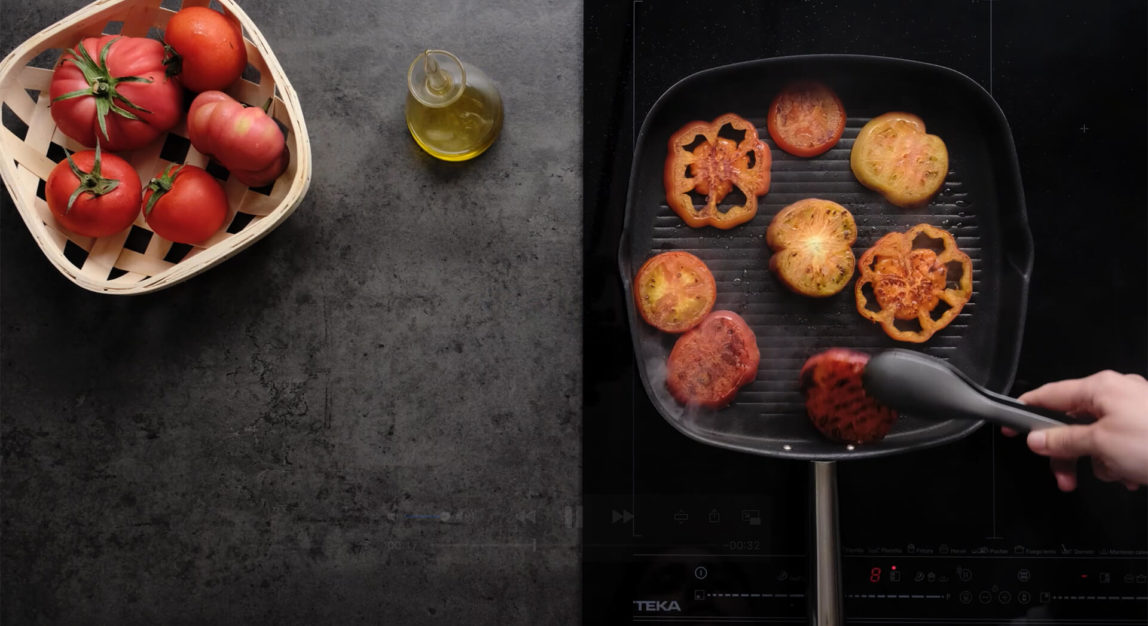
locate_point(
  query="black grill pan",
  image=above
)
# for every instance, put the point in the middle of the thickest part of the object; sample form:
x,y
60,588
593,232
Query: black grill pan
x,y
981,204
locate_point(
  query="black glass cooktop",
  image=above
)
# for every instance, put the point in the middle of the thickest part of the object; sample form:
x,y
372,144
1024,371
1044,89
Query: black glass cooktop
x,y
974,531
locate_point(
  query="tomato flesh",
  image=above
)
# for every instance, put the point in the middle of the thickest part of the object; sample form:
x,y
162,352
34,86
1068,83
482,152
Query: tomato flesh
x,y
836,401
811,242
712,361
909,283
674,291
806,119
894,156
713,167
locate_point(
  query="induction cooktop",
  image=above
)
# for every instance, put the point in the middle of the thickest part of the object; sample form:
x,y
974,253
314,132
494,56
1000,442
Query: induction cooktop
x,y
970,532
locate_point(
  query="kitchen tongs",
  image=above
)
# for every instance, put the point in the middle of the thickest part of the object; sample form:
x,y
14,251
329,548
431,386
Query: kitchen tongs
x,y
917,384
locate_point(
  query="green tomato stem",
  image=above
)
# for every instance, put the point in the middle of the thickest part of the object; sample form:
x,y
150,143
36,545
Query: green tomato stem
x,y
91,182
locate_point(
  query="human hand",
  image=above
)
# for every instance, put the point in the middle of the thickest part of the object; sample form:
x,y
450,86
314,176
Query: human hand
x,y
1117,441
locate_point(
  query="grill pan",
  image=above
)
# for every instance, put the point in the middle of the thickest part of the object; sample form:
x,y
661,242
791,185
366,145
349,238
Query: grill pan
x,y
981,204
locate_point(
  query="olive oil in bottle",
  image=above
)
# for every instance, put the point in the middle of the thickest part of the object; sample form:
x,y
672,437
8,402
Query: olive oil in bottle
x,y
453,109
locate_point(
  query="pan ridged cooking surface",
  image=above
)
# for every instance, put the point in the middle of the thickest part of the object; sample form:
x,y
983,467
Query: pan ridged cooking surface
x,y
768,415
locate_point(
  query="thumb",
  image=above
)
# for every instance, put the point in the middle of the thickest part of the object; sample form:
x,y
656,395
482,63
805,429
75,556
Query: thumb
x,y
1062,442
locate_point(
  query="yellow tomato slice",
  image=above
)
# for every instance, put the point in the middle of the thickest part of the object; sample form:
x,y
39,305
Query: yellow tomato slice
x,y
894,156
811,241
674,291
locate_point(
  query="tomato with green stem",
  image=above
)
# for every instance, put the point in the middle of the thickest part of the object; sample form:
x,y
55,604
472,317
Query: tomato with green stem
x,y
114,90
185,204
93,194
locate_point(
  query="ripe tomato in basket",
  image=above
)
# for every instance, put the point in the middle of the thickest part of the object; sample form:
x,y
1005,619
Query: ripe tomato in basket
x,y
114,89
205,47
93,194
185,204
246,140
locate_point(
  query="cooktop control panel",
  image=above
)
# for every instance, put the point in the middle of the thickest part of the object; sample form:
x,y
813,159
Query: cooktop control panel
x,y
930,583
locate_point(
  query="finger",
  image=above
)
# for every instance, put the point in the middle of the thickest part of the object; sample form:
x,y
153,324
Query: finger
x,y
1078,395
1063,442
1103,471
1071,396
1065,472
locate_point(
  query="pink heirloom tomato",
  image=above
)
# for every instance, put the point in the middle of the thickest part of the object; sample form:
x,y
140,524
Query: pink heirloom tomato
x,y
245,140
114,89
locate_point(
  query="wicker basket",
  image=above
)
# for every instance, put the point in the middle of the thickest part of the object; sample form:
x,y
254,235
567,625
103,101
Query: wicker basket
x,y
137,260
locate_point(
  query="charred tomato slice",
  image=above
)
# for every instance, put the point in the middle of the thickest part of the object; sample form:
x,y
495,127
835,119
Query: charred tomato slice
x,y
836,400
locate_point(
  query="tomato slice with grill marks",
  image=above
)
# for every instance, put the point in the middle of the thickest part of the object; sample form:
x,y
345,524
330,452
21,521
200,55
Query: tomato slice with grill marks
x,y
712,361
711,159
806,119
836,401
910,283
674,291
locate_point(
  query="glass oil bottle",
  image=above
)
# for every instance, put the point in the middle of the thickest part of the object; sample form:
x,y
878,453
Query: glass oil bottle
x,y
453,109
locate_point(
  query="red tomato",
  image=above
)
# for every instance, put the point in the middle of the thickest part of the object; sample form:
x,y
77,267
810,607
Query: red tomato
x,y
93,194
185,204
244,139
674,291
806,119
711,361
836,401
114,89
207,48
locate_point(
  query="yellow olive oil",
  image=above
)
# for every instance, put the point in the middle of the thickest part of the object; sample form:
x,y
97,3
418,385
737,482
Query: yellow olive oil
x,y
458,131
453,110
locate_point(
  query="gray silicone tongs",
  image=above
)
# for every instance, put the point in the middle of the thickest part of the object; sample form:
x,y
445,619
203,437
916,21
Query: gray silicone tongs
x,y
927,387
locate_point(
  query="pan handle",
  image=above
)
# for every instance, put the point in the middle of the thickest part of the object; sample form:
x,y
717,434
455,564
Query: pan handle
x,y
825,604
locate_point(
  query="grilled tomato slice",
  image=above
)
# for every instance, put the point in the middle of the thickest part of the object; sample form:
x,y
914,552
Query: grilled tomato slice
x,y
811,242
836,400
674,291
893,156
908,276
806,119
711,361
710,159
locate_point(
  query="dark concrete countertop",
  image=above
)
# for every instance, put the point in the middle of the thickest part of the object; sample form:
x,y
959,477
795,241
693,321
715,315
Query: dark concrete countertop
x,y
370,416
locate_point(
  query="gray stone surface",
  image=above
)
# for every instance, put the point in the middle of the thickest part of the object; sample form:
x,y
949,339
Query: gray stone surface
x,y
370,416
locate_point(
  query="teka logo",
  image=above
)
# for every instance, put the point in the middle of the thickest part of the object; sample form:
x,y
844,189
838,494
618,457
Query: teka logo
x,y
656,606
